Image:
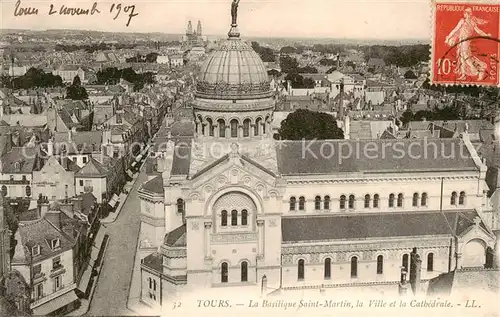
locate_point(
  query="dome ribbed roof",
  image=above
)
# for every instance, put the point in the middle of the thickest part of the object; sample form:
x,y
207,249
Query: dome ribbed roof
x,y
233,71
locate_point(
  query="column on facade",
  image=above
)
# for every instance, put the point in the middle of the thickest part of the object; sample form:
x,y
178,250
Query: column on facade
x,y
204,127
208,227
216,130
240,131
260,243
228,131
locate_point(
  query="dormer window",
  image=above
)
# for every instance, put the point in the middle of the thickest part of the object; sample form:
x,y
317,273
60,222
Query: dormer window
x,y
55,243
35,250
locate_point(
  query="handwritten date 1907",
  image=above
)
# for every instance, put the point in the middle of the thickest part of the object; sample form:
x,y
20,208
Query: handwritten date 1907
x,y
64,10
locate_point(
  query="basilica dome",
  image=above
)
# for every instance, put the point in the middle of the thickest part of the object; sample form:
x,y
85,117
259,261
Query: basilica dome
x,y
233,71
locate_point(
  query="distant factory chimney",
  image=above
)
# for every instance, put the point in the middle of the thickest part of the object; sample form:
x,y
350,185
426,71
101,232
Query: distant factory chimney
x,y
341,100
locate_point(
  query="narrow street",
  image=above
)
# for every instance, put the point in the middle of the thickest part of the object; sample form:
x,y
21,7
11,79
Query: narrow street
x,y
112,289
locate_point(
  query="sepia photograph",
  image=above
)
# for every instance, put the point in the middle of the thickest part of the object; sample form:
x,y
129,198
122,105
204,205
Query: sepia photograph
x,y
250,157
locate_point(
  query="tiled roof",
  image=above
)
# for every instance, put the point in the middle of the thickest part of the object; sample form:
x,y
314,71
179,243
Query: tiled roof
x,y
176,238
93,168
305,157
464,280
379,225
39,232
20,160
154,186
154,261
182,128
181,161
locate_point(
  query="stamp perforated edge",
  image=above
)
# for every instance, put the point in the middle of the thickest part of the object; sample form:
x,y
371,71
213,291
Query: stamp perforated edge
x,y
433,4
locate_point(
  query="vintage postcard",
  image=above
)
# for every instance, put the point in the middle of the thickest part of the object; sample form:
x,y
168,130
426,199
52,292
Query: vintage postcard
x,y
237,157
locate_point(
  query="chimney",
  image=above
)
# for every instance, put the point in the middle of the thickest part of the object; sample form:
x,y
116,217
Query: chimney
x,y
54,216
263,289
43,208
415,271
50,148
341,100
403,284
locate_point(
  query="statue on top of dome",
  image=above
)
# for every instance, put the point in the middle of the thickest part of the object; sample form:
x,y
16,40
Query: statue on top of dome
x,y
234,11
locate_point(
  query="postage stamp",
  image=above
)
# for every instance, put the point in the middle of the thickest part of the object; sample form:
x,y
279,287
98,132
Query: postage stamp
x,y
465,46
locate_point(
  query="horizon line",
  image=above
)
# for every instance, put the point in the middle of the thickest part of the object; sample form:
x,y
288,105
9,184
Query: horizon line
x,y
224,35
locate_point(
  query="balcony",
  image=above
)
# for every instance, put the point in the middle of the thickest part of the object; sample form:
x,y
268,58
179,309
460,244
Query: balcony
x,y
57,270
38,277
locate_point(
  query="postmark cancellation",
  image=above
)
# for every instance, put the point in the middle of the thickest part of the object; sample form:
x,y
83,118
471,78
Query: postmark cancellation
x,y
465,43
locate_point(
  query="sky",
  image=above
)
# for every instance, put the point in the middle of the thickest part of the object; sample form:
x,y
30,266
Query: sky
x,y
348,19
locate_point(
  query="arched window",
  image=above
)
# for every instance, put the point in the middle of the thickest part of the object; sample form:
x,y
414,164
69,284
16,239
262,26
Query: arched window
x,y
180,205
300,270
234,128
405,262
317,203
342,202
380,264
150,282
293,203
328,268
453,199
244,217
430,262
367,201
264,127
376,199
461,198
415,200
223,219
326,203
400,200
223,272
154,285
354,267
423,201
28,191
302,203
246,128
244,271
222,128
211,127
391,201
234,218
258,122
351,202
4,190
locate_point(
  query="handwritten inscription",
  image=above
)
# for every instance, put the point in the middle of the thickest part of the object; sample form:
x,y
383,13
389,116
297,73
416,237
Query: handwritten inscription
x,y
115,9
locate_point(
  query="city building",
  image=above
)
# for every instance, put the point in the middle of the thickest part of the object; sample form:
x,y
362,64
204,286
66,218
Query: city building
x,y
235,207
44,257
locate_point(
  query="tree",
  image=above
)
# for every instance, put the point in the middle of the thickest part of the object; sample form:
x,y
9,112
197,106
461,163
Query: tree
x,y
288,64
265,53
307,70
309,125
327,62
76,91
274,73
288,50
410,75
298,81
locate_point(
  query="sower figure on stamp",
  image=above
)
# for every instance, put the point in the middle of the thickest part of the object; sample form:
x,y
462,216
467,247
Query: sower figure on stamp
x,y
234,11
468,65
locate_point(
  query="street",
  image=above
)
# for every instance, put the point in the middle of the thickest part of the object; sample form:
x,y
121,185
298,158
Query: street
x,y
112,289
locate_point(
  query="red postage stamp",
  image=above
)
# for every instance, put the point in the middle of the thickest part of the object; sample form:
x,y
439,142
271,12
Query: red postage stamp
x,y
465,48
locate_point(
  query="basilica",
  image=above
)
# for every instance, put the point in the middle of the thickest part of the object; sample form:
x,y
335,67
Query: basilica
x,y
236,207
